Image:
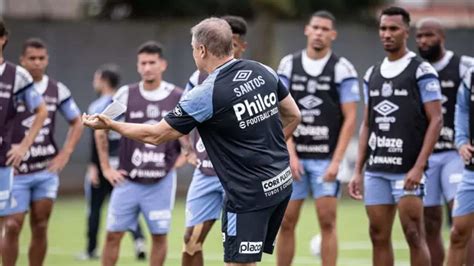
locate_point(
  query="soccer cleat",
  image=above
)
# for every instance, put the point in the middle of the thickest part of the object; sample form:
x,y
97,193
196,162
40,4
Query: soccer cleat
x,y
85,256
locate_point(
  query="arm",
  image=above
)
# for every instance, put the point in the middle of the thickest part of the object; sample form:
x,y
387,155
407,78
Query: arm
x,y
152,134
290,115
17,152
435,123
461,123
102,145
72,138
349,111
355,185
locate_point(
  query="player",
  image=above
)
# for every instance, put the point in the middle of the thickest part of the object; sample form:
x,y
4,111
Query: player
x,y
205,194
145,181
401,125
325,86
463,207
243,114
445,164
16,88
106,81
36,183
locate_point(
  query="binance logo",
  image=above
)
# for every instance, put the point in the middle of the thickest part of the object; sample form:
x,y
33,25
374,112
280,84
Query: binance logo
x,y
242,75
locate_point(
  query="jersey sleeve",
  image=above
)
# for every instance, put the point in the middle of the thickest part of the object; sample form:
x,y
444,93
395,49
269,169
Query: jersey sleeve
x,y
428,83
193,81
67,105
285,68
466,63
461,116
194,108
25,90
122,95
347,82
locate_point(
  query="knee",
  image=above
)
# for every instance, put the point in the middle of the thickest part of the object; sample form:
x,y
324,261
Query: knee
x,y
13,227
39,227
113,238
459,237
327,223
413,236
288,223
432,226
192,242
379,236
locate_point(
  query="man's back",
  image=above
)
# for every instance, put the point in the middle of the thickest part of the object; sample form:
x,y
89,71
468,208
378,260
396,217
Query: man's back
x,y
236,108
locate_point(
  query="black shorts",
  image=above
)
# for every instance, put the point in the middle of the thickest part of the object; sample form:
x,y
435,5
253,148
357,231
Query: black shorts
x,y
246,235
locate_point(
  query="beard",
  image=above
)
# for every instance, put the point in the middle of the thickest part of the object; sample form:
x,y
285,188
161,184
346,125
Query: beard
x,y
432,54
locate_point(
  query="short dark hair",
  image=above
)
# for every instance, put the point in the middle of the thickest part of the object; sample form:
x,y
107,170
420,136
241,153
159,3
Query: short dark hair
x,y
324,14
395,11
237,24
151,47
110,73
3,29
33,43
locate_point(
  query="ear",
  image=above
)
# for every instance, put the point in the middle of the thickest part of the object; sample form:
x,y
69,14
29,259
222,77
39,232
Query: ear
x,y
164,64
22,60
306,30
202,51
334,35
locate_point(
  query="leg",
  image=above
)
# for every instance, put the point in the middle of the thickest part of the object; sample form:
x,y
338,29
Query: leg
x,y
6,183
460,234
193,239
39,217
433,222
95,201
111,249
380,229
286,251
13,226
139,242
241,264
159,248
470,250
411,217
326,208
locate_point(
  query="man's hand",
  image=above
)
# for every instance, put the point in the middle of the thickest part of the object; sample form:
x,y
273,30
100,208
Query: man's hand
x,y
331,172
115,177
466,152
16,154
93,175
355,187
296,167
97,121
413,178
191,157
59,161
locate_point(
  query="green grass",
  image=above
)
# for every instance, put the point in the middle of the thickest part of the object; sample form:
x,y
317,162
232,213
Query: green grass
x,y
67,238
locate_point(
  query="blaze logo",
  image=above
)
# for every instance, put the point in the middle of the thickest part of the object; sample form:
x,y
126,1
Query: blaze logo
x,y
250,247
242,75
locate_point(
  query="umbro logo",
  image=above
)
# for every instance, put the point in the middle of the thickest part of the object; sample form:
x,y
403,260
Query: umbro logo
x,y
386,107
242,75
310,101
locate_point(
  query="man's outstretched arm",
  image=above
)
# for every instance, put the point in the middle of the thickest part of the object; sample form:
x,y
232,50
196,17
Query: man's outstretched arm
x,y
152,134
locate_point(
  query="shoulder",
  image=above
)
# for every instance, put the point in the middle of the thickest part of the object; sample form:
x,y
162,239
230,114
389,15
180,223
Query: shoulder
x,y
344,69
194,78
22,78
468,76
63,92
286,65
425,69
466,62
368,73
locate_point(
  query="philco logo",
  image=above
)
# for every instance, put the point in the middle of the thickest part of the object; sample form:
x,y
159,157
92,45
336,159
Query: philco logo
x,y
385,108
250,247
242,75
259,104
310,101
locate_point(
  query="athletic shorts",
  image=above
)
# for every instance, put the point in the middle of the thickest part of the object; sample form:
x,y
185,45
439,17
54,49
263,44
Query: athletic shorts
x,y
32,187
154,201
204,199
312,179
442,177
387,188
246,235
6,185
464,199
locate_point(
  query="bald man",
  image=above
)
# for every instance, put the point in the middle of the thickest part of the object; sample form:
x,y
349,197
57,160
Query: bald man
x,y
445,164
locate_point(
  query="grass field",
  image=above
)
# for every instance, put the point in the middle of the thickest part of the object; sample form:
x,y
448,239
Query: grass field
x,y
67,238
